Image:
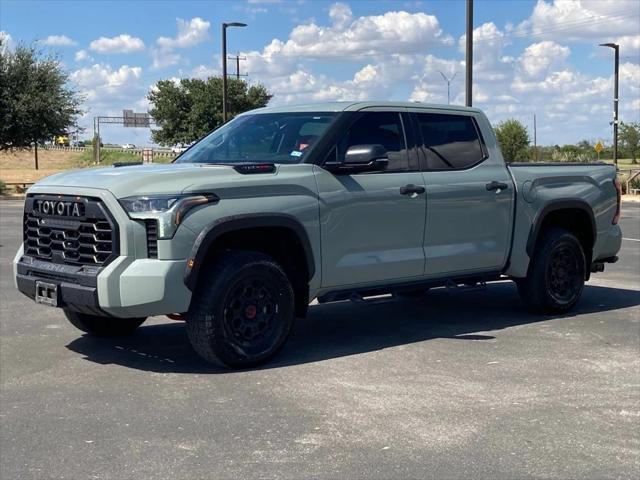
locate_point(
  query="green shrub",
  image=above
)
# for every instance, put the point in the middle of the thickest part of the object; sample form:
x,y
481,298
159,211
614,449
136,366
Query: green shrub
x,y
3,186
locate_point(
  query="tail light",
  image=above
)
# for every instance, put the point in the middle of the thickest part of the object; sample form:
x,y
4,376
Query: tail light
x,y
618,186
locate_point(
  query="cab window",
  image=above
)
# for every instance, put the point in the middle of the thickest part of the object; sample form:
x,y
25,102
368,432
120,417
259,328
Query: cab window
x,y
450,142
383,128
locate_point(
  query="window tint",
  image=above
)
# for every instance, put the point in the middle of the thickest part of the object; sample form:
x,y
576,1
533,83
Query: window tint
x,y
383,128
450,141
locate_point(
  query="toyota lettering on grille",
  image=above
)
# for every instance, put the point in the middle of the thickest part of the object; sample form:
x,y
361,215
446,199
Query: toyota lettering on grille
x,y
59,208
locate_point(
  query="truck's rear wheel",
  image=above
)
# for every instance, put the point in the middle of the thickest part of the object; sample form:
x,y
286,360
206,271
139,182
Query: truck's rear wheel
x,y
103,326
242,310
556,274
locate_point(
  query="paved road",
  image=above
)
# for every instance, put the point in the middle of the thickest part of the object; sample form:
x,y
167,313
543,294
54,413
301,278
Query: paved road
x,y
461,386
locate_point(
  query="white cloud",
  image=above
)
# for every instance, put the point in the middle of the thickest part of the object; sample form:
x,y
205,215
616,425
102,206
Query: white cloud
x,y
590,20
108,90
629,46
83,55
6,40
340,14
190,33
122,43
203,72
539,58
488,44
59,41
430,87
103,84
391,32
164,58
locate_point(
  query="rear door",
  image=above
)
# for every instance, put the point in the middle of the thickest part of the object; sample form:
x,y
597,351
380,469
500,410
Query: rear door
x,y
469,197
371,232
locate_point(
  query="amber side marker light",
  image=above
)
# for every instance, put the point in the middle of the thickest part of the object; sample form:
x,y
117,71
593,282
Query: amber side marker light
x,y
190,263
616,217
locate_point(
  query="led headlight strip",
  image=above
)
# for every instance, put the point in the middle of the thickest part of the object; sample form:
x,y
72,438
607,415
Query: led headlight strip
x,y
168,210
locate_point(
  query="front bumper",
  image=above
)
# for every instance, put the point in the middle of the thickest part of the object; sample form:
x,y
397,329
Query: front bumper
x,y
77,289
126,288
130,285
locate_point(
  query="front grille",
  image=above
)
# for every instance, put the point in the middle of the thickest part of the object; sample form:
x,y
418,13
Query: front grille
x,y
152,238
90,238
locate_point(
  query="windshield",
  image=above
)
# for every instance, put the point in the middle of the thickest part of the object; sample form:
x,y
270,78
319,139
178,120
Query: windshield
x,y
266,137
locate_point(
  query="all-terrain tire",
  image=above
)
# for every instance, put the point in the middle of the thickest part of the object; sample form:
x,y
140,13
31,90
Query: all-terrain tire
x,y
103,326
242,310
556,275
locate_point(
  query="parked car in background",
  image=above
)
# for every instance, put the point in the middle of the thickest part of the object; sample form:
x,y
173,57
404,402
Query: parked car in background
x,y
128,146
332,202
179,148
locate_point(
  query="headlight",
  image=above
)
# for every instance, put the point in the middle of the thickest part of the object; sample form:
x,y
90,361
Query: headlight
x,y
160,203
168,210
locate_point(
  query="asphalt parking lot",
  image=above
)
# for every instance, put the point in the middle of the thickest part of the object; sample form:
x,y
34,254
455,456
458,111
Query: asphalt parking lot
x,y
453,386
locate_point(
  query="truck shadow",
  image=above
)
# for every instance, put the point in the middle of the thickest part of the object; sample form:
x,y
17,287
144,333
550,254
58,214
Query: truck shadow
x,y
345,328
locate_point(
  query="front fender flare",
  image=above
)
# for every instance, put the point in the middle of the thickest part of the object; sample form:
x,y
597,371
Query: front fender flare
x,y
223,225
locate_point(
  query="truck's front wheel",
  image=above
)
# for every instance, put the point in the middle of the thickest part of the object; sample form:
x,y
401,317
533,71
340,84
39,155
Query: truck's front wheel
x,y
103,326
556,274
242,310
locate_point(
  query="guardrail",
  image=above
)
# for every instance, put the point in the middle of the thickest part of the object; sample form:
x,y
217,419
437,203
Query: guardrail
x,y
157,152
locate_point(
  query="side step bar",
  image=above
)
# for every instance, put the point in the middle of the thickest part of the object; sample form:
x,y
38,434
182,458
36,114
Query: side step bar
x,y
463,283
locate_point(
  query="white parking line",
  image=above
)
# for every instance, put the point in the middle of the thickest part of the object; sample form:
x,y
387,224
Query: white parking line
x,y
631,239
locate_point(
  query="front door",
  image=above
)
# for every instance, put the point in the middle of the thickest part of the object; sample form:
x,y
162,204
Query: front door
x,y
370,231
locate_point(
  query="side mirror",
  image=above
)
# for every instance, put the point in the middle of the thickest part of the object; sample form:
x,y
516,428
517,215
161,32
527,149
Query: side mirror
x,y
361,158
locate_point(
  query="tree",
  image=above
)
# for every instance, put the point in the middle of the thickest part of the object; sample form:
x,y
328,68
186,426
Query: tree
x,y
35,102
188,109
629,137
514,140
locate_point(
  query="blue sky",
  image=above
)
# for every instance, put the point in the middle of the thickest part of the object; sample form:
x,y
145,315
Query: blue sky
x,y
531,56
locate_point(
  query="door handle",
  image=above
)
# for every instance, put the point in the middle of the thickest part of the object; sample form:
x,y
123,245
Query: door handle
x,y
497,186
411,189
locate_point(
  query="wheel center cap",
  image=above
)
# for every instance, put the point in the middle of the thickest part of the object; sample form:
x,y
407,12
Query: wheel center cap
x,y
250,312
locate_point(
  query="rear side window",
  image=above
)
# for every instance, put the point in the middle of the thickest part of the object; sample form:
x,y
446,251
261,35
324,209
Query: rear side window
x,y
384,128
451,141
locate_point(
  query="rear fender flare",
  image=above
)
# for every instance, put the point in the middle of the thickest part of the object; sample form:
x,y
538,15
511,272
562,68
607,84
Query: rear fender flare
x,y
553,207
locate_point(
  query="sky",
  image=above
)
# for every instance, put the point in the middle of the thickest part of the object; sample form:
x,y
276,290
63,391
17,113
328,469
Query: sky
x,y
530,56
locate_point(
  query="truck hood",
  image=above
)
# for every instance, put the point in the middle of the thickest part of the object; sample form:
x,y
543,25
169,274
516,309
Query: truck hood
x,y
143,179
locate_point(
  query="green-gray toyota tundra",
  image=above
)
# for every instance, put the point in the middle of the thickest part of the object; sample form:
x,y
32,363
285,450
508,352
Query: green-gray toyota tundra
x,y
332,201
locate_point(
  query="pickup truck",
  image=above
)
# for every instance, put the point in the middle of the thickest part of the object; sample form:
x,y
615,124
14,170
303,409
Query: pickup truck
x,y
335,201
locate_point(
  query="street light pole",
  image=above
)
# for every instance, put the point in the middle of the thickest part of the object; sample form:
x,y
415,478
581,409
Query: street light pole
x,y
616,49
224,65
469,57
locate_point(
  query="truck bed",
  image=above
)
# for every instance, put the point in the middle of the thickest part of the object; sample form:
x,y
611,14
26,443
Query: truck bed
x,y
544,186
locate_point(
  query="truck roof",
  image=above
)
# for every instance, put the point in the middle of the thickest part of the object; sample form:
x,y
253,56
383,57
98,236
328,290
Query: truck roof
x,y
355,106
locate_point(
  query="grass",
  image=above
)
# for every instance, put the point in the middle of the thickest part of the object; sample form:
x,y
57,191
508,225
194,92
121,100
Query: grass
x,y
18,166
